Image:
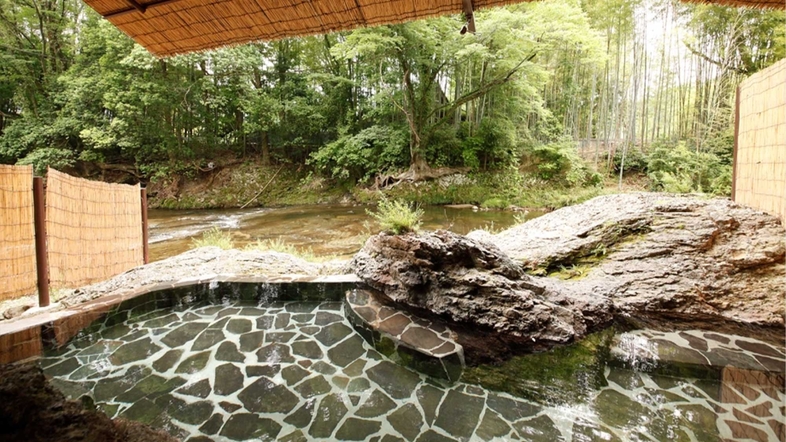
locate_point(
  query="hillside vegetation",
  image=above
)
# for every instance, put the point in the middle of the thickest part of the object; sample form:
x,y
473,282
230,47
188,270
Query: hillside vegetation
x,y
555,95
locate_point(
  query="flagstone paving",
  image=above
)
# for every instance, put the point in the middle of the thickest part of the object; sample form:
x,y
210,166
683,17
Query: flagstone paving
x,y
295,371
425,345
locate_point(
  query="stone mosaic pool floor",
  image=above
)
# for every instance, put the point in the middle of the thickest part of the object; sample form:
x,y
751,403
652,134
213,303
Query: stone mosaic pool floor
x,y
297,371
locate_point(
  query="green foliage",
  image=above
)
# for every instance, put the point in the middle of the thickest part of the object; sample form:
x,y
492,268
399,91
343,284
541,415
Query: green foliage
x,y
48,157
573,272
74,89
722,146
396,216
493,145
673,167
25,137
559,162
495,203
491,189
444,149
722,182
357,157
635,161
214,237
241,183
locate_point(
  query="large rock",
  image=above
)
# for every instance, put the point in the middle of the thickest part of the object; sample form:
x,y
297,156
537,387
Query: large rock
x,y
197,263
32,410
657,253
636,255
473,282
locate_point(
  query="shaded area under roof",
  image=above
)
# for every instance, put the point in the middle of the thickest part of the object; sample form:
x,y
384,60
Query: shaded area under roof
x,y
168,27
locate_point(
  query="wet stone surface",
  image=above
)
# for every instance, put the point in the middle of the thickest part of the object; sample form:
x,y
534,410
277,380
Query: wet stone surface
x,y
699,348
299,372
428,346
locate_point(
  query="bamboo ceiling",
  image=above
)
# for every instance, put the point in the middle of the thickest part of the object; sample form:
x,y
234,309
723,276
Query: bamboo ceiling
x,y
168,27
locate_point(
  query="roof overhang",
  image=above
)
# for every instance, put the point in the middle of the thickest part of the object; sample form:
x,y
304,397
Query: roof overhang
x,y
168,27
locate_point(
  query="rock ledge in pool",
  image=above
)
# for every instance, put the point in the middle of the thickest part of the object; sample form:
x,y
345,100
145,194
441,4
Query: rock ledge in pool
x,y
205,261
474,283
642,255
32,410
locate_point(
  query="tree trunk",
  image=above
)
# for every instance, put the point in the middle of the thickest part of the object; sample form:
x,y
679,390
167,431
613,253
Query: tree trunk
x,y
418,166
265,149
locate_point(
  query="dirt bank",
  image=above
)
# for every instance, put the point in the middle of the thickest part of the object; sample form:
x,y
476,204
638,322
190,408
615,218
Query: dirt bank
x,y
237,183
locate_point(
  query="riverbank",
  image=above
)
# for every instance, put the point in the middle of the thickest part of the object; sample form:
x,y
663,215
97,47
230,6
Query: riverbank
x,y
251,184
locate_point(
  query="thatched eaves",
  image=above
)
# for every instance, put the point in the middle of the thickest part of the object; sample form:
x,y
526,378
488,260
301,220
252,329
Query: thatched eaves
x,y
168,27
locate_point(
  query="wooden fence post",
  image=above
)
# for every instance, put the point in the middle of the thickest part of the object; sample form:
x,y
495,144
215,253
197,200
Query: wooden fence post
x,y
145,248
736,146
42,261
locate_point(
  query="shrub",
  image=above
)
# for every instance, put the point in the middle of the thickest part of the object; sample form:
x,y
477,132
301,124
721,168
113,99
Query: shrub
x,y
635,161
495,203
396,216
560,162
493,145
214,237
48,157
358,157
673,167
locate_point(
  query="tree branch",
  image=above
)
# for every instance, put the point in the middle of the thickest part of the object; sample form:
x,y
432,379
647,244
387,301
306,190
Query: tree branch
x,y
720,64
477,93
410,120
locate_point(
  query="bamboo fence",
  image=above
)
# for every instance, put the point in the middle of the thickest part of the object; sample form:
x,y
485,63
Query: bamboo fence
x,y
17,249
760,156
94,229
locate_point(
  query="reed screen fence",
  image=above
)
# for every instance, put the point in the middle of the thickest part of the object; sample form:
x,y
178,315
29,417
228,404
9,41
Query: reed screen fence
x,y
17,250
760,150
94,229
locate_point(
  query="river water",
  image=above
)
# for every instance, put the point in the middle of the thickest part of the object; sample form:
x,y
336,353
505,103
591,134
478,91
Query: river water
x,y
325,230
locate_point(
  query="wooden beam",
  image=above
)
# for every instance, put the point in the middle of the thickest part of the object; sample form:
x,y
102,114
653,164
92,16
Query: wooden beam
x,y
469,14
137,6
145,246
143,9
41,258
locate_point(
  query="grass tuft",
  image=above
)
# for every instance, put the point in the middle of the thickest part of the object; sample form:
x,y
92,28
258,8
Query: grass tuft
x,y
397,216
214,237
278,245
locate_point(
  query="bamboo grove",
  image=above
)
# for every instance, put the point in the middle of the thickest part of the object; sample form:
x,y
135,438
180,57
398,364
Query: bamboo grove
x,y
645,84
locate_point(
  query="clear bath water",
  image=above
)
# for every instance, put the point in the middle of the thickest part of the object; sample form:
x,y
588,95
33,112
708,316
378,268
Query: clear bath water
x,y
233,369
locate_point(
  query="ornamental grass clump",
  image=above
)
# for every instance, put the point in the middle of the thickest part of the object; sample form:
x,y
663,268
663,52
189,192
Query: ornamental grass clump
x,y
214,237
278,245
397,217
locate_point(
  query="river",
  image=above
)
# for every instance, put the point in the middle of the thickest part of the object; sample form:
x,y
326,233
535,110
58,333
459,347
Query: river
x,y
326,230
